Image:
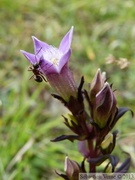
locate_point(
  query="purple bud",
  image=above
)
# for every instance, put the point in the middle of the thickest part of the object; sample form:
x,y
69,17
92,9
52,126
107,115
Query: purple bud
x,y
97,83
104,107
72,169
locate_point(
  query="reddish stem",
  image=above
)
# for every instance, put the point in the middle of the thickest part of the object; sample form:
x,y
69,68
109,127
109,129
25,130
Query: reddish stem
x,y
92,151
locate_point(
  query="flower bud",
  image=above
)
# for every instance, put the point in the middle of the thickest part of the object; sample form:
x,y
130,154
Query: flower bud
x,y
104,107
97,84
107,141
72,169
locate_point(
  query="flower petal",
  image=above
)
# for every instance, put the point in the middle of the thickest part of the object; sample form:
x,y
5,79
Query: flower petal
x,y
31,57
64,59
47,67
63,83
83,148
38,45
66,41
97,83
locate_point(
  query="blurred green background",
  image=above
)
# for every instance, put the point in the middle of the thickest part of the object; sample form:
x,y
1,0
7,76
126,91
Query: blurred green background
x,y
29,116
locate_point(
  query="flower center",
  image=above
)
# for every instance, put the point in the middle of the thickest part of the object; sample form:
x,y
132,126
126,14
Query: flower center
x,y
53,55
55,61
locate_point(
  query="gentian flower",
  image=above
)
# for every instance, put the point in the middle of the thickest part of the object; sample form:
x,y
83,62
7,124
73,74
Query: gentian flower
x,y
53,63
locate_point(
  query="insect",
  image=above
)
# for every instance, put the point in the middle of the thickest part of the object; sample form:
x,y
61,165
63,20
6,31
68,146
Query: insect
x,y
38,76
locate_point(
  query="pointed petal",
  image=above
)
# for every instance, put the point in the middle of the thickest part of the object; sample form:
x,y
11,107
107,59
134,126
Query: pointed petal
x,y
31,57
97,84
64,59
38,45
66,41
101,95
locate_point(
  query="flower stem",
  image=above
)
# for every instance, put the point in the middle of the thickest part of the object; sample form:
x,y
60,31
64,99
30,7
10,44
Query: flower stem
x,y
92,167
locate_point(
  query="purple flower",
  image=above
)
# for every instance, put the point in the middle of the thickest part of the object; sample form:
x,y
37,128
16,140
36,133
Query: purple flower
x,y
53,63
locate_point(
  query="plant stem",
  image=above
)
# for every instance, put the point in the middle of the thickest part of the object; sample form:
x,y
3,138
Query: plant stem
x,y
92,167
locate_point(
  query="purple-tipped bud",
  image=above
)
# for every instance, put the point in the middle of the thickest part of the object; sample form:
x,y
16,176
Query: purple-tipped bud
x,y
104,107
97,84
72,169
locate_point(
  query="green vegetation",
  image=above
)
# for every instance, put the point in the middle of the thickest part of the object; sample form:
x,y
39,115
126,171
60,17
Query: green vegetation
x,y
29,116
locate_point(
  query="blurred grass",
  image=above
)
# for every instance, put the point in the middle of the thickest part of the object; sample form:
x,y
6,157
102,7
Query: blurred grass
x,y
29,115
